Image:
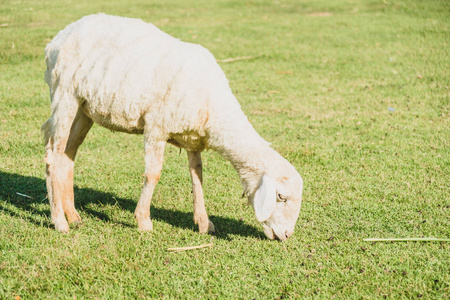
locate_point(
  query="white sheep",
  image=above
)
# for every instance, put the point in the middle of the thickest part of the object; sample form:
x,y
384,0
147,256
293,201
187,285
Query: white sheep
x,y
129,76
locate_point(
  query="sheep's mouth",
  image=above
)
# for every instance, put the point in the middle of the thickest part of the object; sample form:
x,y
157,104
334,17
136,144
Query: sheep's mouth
x,y
271,234
268,231
281,239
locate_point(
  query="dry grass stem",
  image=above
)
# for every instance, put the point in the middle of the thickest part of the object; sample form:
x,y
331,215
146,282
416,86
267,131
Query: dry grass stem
x,y
23,195
406,240
232,59
179,249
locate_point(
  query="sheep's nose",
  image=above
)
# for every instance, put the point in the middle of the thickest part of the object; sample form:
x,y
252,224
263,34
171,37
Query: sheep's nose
x,y
284,236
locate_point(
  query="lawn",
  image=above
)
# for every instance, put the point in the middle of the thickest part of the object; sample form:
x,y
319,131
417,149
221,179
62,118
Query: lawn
x,y
355,94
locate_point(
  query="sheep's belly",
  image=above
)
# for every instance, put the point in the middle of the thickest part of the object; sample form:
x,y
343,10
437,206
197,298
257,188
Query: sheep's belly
x,y
191,141
116,121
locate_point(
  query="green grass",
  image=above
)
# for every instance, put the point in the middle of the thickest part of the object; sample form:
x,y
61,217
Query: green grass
x,y
320,92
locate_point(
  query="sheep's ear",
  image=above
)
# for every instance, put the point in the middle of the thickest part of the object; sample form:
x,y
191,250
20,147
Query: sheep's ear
x,y
265,198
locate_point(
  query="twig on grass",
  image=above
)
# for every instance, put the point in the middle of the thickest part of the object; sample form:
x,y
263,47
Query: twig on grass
x,y
426,239
179,249
232,59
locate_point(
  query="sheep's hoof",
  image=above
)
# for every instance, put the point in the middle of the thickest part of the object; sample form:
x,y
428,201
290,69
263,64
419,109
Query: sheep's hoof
x,y
210,228
76,224
74,218
145,225
62,226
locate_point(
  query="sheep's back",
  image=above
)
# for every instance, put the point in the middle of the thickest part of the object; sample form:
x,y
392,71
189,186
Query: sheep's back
x,y
120,69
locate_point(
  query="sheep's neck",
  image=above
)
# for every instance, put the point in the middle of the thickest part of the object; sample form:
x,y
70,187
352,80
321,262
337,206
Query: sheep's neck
x,y
249,153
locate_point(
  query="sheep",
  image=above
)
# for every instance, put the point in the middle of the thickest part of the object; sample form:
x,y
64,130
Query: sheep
x,y
129,76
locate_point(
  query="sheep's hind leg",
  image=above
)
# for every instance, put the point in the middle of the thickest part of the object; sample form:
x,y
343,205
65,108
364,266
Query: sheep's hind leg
x,y
59,167
200,215
80,127
154,152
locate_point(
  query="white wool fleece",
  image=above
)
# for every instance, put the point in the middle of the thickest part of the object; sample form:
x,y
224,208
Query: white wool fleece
x,y
129,76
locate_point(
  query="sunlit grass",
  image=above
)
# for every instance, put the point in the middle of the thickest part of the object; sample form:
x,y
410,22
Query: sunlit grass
x,y
353,93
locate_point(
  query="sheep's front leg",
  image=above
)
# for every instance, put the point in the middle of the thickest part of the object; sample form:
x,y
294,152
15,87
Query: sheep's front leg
x,y
154,152
200,215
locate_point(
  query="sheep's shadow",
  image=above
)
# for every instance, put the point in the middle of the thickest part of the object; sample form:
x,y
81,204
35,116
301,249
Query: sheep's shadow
x,y
90,202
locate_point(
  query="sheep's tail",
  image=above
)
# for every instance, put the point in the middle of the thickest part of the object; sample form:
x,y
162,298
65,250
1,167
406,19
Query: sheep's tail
x,y
46,130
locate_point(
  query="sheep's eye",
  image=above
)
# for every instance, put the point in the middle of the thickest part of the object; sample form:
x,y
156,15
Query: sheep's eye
x,y
281,198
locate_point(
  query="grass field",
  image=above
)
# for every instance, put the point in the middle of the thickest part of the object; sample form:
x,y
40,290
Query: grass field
x,y
355,94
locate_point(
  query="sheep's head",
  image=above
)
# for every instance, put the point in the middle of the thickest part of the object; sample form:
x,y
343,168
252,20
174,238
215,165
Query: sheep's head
x,y
277,203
